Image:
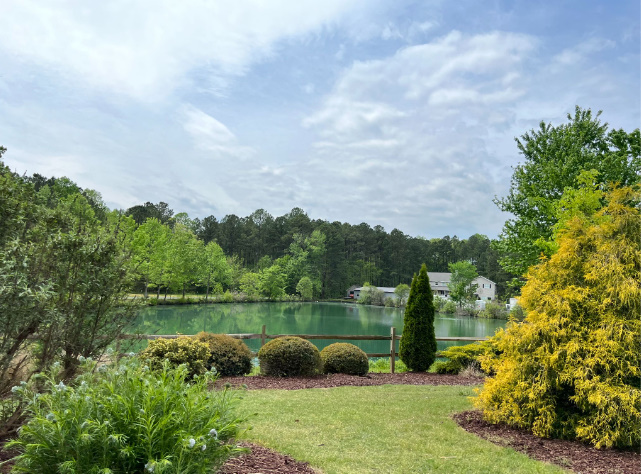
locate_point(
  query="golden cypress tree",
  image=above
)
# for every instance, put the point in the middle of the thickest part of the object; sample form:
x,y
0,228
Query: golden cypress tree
x,y
572,369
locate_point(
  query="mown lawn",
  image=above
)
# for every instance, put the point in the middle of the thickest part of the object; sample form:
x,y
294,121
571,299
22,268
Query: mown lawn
x,y
384,429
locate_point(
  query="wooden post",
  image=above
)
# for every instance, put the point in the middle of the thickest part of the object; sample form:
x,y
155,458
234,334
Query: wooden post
x,y
262,337
392,359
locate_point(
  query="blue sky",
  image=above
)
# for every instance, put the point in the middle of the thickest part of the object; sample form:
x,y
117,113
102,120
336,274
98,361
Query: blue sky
x,y
401,114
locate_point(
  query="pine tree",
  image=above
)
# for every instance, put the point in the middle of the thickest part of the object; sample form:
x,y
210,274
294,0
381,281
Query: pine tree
x,y
418,344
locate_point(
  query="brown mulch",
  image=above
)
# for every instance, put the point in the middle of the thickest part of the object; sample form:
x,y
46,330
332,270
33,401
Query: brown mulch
x,y
572,455
263,460
343,380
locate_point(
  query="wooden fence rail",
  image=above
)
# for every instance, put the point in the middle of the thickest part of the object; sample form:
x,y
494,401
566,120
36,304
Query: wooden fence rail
x,y
263,336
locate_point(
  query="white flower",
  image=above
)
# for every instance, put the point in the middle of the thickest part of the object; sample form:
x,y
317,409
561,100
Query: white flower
x,y
81,359
131,354
204,447
61,385
15,389
150,467
213,433
192,442
51,417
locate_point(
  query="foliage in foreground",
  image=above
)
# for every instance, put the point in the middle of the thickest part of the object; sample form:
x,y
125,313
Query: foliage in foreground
x,y
288,357
417,348
227,355
572,369
126,419
344,358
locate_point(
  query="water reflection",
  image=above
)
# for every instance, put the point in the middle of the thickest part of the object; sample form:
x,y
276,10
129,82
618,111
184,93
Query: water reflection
x,y
301,318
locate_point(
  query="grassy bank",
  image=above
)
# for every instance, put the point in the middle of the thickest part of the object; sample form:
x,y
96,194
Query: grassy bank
x,y
390,428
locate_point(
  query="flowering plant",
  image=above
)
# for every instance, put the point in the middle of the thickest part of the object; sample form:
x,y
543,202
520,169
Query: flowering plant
x,y
126,418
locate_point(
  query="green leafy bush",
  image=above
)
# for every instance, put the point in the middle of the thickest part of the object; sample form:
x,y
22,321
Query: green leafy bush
x,y
289,356
344,358
439,302
460,357
449,307
126,419
382,366
227,355
493,311
182,350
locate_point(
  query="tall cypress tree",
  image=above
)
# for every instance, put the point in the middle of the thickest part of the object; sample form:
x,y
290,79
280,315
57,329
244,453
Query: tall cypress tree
x,y
418,343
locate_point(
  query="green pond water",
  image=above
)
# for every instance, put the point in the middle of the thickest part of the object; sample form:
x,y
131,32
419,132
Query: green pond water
x,y
302,318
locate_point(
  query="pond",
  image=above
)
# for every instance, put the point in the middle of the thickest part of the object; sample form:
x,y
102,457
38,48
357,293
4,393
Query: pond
x,y
302,318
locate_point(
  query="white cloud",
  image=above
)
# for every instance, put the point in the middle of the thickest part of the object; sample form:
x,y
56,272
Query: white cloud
x,y
410,131
213,136
146,49
582,50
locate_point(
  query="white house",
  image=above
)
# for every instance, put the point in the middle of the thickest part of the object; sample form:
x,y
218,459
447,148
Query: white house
x,y
486,288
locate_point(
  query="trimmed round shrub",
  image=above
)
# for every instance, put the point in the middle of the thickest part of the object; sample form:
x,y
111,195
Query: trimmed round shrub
x,y
289,356
227,355
344,358
182,350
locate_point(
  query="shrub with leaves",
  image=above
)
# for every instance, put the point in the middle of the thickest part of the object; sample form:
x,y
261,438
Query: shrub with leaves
x,y
344,358
289,356
460,357
182,350
126,419
449,307
227,355
572,369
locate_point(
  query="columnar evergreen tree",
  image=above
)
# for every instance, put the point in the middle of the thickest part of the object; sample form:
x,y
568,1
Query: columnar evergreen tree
x,y
418,344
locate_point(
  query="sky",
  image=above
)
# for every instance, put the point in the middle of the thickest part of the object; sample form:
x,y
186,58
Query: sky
x,y
401,114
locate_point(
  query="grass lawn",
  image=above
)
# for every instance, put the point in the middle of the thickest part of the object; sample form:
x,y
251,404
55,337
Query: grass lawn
x,y
384,429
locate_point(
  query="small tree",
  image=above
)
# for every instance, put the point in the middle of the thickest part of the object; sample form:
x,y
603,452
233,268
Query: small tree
x,y
418,344
460,285
402,291
306,288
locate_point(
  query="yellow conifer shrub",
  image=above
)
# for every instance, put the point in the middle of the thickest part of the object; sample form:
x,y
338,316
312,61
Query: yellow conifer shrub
x,y
572,368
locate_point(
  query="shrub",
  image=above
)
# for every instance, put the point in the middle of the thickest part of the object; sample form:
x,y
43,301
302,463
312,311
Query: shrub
x,y
572,368
344,358
493,311
227,297
382,366
449,307
391,303
126,419
289,356
517,313
183,350
439,302
460,357
227,355
417,348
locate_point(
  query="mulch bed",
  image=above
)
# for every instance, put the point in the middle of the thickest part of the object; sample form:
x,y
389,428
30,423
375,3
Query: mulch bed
x,y
573,455
263,460
342,380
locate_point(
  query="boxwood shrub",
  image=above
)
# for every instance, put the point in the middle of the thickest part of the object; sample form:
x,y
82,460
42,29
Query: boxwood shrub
x,y
182,350
344,358
227,355
289,356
